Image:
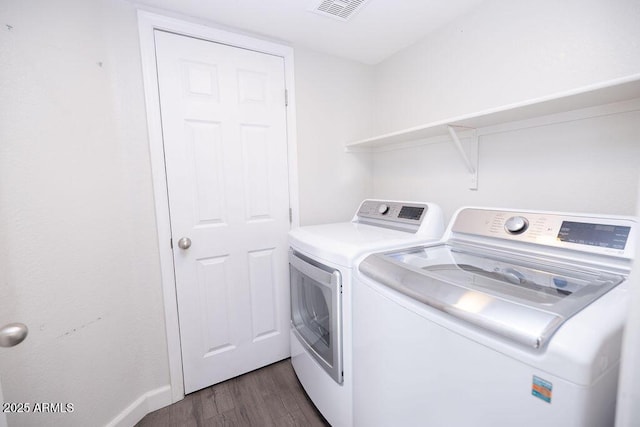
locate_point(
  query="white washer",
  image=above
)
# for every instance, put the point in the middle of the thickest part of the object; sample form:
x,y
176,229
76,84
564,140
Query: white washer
x,y
321,261
514,319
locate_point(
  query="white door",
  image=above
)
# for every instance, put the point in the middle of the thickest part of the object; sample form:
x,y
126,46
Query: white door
x,y
224,128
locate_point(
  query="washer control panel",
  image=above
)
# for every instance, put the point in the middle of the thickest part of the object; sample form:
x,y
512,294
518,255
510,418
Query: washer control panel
x,y
604,235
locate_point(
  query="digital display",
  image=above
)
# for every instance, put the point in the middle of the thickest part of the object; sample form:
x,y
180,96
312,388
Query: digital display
x,y
603,235
410,212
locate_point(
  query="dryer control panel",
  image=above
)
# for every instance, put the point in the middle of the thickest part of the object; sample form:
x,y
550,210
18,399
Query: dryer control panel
x,y
406,216
607,235
392,211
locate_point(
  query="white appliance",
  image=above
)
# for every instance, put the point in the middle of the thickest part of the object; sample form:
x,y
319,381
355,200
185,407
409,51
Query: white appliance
x,y
321,261
513,319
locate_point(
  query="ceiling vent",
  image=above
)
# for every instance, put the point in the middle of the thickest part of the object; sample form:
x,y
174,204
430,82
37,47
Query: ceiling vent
x,y
339,9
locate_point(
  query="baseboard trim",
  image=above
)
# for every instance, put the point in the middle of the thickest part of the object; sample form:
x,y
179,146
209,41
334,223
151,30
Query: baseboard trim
x,y
148,402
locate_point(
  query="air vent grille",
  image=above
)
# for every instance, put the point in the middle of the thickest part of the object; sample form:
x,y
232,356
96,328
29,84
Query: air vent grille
x,y
339,9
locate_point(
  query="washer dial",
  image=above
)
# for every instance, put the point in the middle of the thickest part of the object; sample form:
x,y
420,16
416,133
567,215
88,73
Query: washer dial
x,y
516,225
383,209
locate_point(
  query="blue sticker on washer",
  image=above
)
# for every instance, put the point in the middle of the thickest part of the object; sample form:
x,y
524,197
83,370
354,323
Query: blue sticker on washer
x,y
541,389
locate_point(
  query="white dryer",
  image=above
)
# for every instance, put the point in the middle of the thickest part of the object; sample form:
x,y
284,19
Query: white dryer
x,y
514,319
321,260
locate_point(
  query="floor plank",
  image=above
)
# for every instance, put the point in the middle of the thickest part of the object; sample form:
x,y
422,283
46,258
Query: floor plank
x,y
271,396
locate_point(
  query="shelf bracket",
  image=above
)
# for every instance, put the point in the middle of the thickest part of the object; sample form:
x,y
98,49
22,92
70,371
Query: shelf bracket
x,y
470,154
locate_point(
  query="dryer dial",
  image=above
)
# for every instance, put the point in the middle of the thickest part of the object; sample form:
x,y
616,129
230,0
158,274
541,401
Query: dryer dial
x,y
383,209
516,225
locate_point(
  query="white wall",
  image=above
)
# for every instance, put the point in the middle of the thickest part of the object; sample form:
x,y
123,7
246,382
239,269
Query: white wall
x,y
507,52
78,250
334,106
589,165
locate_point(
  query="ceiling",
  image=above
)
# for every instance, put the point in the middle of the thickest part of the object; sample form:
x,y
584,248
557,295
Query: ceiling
x,y
376,31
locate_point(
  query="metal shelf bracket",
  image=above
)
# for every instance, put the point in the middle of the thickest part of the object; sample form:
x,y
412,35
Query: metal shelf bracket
x,y
470,153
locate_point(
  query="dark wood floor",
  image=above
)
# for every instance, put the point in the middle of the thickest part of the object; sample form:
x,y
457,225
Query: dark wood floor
x,y
271,396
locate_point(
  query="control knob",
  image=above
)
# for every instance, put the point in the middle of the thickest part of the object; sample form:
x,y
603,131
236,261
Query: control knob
x,y
516,224
383,209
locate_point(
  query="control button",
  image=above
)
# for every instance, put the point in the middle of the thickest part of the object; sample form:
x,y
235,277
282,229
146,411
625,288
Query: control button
x,y
383,209
516,224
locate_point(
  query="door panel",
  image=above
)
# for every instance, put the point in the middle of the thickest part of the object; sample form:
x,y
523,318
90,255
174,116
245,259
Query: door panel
x,y
214,304
224,130
204,145
263,294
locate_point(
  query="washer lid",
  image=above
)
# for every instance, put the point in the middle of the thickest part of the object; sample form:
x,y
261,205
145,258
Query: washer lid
x,y
518,298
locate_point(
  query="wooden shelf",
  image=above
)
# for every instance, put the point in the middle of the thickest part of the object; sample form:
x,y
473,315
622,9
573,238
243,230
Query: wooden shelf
x,y
590,96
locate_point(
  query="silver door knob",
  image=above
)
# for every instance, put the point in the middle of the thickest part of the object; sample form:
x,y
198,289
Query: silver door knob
x,y
13,334
184,243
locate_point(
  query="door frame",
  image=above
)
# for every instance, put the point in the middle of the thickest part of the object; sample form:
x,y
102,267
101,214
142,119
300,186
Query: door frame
x,y
148,22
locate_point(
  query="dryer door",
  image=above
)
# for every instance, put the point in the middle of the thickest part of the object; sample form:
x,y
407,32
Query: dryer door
x,y
316,311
